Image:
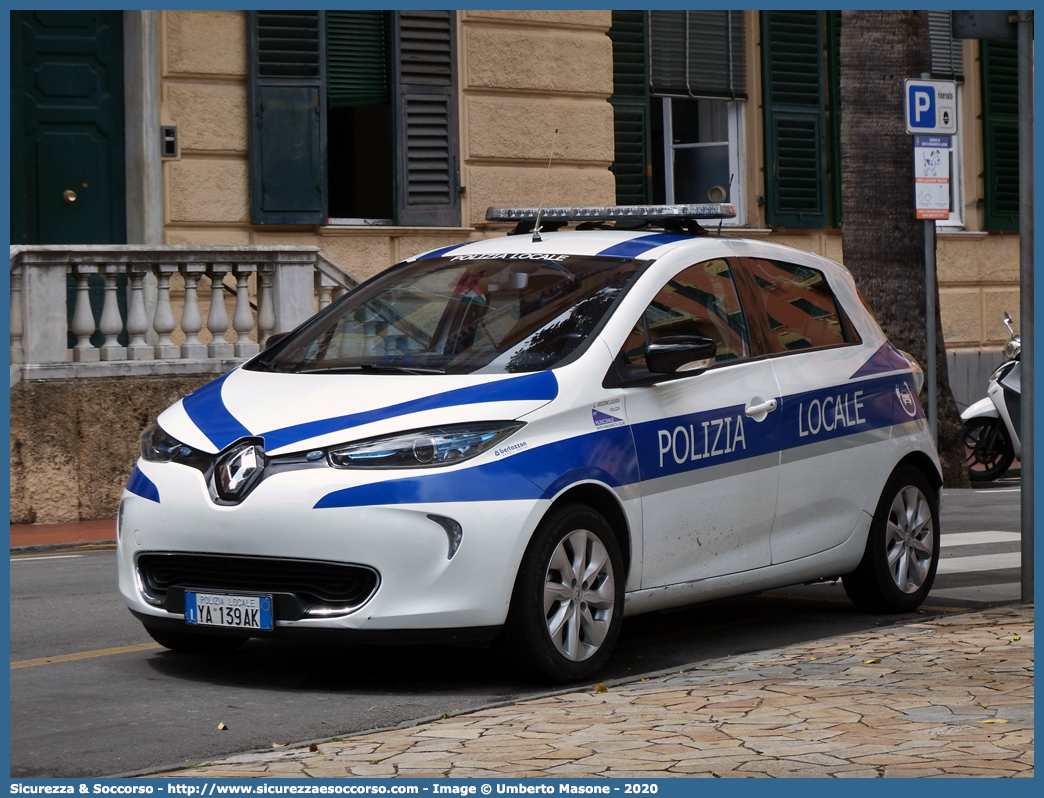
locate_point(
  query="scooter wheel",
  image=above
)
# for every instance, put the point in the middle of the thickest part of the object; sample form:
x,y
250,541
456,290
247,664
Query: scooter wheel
x,y
987,448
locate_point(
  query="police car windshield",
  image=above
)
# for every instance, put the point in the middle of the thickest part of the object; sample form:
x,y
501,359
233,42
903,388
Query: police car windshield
x,y
502,313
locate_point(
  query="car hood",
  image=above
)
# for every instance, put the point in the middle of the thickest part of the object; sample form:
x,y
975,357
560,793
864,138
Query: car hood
x,y
298,412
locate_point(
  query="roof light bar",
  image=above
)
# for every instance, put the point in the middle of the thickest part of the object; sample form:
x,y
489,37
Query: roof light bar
x,y
648,213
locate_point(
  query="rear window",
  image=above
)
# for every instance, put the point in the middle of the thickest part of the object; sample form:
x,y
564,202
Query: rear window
x,y
801,309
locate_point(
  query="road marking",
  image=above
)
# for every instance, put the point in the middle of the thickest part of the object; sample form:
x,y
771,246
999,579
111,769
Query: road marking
x,y
103,652
47,557
984,562
973,538
1007,591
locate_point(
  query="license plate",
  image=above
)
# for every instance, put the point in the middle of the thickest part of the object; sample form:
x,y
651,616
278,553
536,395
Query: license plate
x,y
222,609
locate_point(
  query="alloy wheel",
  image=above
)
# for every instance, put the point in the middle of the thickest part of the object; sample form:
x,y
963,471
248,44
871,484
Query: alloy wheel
x,y
579,595
909,539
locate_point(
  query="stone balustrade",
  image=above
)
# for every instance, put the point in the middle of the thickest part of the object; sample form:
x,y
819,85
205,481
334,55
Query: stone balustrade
x,y
107,310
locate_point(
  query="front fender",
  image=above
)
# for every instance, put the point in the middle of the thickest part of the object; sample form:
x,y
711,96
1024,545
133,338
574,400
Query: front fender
x,y
983,408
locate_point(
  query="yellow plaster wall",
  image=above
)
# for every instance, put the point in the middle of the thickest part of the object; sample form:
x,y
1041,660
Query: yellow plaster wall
x,y
522,75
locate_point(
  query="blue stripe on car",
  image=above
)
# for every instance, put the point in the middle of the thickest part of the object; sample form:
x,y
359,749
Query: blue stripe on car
x,y
638,246
538,386
723,435
141,485
207,411
887,358
537,473
657,449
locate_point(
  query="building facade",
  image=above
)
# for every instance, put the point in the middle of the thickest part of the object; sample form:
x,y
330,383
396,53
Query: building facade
x,y
376,134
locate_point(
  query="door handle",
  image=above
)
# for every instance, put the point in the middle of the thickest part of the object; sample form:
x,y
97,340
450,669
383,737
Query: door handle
x,y
763,408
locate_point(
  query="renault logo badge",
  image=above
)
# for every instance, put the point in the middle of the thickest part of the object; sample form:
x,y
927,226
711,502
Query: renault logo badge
x,y
237,469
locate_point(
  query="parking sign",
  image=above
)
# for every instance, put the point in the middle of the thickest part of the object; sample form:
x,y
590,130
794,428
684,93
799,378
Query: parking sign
x,y
931,107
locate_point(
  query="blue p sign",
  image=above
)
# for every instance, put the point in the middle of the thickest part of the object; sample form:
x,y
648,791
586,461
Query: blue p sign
x,y
931,107
922,107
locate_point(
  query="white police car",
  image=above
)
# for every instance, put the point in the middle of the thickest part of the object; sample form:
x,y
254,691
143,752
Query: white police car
x,y
526,438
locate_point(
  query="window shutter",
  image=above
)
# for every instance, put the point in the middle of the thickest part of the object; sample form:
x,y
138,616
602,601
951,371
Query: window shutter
x,y
792,77
946,50
630,103
287,134
1000,132
833,32
357,58
425,108
697,54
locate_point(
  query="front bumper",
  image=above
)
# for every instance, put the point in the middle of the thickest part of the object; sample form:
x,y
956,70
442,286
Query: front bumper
x,y
418,587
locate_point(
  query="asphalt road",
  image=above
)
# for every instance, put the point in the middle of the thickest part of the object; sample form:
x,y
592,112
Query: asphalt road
x,y
91,697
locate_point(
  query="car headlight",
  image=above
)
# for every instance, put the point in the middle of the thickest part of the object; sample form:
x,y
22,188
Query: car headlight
x,y
437,446
159,447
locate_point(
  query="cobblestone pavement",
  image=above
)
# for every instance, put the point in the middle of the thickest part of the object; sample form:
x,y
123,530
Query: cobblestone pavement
x,y
949,696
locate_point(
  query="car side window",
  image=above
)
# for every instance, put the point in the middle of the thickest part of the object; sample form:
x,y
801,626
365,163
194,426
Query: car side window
x,y
798,304
699,300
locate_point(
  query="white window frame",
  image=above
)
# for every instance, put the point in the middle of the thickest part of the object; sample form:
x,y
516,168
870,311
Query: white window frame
x,y
737,155
956,175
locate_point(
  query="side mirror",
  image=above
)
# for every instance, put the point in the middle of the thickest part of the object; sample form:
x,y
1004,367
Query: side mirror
x,y
275,338
680,353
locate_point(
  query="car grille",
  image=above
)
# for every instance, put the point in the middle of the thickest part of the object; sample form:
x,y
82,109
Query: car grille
x,y
323,584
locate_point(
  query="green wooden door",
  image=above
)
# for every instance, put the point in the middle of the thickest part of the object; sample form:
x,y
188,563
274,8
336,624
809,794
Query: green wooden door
x,y
67,135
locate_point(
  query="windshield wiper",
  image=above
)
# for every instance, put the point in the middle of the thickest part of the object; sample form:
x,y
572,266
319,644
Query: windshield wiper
x,y
373,367
266,365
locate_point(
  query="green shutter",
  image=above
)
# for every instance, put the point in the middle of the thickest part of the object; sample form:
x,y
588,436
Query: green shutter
x,y
1000,133
630,103
833,32
697,54
357,64
287,134
425,108
792,79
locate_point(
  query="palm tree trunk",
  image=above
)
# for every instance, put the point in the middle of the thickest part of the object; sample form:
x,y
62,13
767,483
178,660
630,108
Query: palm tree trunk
x,y
883,241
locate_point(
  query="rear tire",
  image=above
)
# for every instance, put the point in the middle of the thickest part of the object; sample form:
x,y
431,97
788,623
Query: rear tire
x,y
192,643
987,448
567,605
902,549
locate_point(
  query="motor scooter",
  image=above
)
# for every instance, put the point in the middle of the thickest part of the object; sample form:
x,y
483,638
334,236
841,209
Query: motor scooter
x,y
991,425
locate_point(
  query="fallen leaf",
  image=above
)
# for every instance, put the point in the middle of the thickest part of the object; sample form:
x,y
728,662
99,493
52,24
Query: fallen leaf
x,y
871,661
314,749
813,659
280,745
222,727
993,720
1016,639
601,688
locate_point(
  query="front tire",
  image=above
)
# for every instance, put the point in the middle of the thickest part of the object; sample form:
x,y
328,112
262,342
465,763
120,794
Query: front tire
x,y
987,448
902,549
567,605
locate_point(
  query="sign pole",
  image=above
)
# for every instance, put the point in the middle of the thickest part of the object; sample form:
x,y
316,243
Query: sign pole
x,y
1025,39
931,115
931,292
